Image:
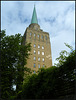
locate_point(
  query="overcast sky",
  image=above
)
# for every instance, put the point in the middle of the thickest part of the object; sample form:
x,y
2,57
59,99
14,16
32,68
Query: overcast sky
x,y
55,17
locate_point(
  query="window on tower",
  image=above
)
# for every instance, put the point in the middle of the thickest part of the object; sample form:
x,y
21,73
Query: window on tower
x,y
34,52
34,65
43,59
42,53
42,37
30,34
38,52
38,65
34,45
38,46
38,58
46,37
38,35
34,34
42,47
34,58
43,65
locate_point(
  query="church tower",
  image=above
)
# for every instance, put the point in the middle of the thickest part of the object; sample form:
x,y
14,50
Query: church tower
x,y
40,45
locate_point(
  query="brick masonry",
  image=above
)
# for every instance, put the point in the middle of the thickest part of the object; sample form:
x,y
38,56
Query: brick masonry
x,y
38,37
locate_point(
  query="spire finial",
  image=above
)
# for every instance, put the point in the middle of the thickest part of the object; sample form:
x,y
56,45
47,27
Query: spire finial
x,y
34,4
34,16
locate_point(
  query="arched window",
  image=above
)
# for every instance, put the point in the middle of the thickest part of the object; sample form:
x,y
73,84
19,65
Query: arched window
x,y
45,37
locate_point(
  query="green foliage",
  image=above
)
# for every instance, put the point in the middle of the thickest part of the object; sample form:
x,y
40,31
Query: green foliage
x,y
67,76
63,56
70,47
14,56
52,83
39,85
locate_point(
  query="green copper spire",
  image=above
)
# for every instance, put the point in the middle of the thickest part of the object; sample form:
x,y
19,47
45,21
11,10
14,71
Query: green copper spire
x,y
34,17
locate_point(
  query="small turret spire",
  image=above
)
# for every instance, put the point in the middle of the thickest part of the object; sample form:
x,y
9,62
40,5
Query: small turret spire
x,y
34,16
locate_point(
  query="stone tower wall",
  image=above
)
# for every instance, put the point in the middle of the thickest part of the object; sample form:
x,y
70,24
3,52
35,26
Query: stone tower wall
x,y
36,36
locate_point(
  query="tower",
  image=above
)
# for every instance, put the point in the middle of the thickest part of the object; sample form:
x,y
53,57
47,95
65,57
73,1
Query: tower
x,y
40,45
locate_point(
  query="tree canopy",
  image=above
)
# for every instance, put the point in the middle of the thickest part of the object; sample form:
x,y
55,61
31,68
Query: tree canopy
x,y
14,56
56,82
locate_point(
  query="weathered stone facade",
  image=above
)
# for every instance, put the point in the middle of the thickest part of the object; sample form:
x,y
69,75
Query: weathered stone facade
x,y
41,47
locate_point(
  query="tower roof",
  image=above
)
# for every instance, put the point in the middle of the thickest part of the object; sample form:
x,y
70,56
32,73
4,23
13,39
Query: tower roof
x,y
34,16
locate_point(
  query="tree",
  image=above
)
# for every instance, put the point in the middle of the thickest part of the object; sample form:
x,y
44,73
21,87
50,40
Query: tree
x,y
66,77
41,85
63,56
54,82
14,56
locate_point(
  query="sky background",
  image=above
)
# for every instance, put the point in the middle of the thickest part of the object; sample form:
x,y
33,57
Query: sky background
x,y
55,17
